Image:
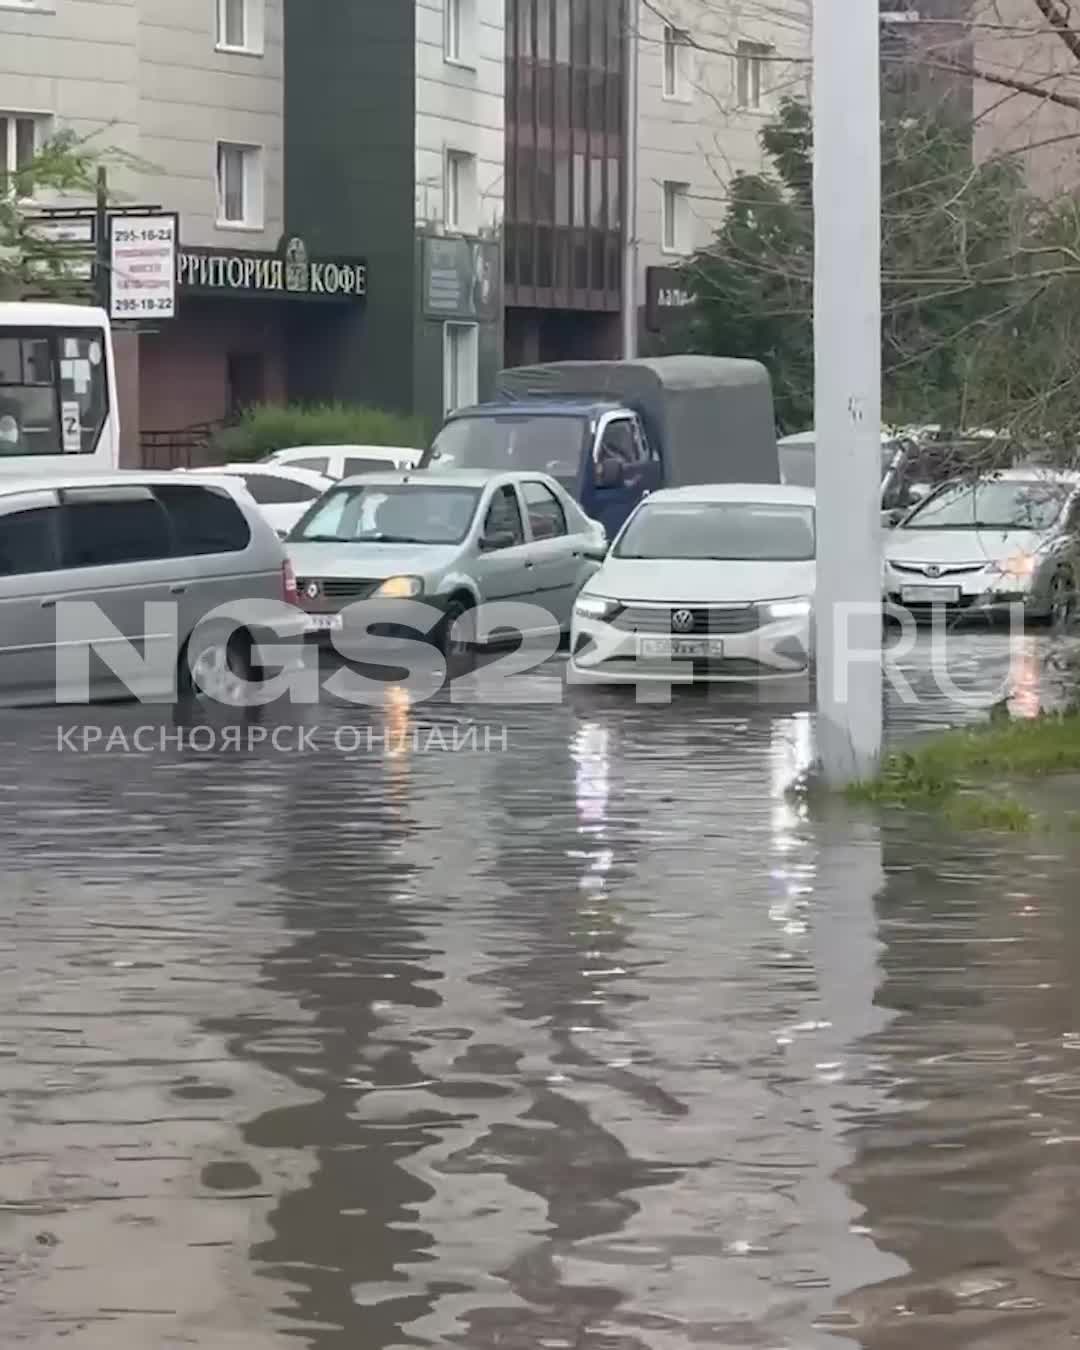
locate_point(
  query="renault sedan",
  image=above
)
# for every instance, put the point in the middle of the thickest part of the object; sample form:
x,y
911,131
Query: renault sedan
x,y
455,542
710,583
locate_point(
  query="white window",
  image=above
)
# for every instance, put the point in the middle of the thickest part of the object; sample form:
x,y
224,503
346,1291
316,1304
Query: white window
x,y
461,207
752,74
239,186
676,63
240,25
21,136
461,361
459,32
675,223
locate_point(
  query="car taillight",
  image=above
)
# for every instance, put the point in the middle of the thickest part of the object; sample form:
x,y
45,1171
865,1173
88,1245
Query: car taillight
x,y
289,593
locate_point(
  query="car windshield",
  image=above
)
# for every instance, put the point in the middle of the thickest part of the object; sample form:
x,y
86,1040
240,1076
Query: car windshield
x,y
542,444
798,462
402,513
992,504
735,531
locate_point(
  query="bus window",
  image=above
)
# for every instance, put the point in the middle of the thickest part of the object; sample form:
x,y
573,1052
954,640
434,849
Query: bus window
x,y
54,392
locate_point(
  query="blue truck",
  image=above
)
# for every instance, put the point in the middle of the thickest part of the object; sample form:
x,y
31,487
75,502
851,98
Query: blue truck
x,y
612,431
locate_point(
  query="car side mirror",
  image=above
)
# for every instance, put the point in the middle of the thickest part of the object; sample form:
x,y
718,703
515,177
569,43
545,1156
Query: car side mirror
x,y
497,539
609,473
596,552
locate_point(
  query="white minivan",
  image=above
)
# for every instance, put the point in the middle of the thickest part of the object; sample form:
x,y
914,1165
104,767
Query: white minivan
x,y
123,540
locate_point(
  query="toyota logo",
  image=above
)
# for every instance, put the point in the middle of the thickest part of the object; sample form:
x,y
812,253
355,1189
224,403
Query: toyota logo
x,y
682,621
312,590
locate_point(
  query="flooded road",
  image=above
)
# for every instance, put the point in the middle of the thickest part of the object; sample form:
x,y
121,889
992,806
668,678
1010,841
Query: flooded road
x,y
573,1032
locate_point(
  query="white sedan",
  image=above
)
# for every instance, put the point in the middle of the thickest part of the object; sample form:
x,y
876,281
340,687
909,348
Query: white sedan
x,y
710,583
346,461
281,492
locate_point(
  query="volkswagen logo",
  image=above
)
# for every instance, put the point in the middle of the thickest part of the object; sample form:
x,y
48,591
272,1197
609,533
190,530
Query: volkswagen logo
x,y
311,590
682,621
933,570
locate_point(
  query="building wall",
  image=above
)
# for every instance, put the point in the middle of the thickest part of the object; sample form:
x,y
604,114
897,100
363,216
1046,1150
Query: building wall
x,y
703,137
192,95
1010,38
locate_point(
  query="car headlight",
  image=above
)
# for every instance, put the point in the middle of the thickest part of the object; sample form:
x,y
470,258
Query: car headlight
x,y
1020,565
595,607
798,608
400,588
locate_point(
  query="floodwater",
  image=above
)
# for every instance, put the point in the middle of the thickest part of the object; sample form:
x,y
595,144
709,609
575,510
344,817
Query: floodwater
x,y
574,1032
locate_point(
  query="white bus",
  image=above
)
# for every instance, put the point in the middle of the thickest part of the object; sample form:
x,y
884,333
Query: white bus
x,y
58,407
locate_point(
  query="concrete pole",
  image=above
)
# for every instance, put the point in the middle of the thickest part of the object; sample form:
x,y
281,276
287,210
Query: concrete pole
x,y
847,392
632,49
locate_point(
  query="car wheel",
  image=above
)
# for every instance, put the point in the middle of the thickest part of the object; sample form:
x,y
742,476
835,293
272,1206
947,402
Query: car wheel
x,y
457,637
216,666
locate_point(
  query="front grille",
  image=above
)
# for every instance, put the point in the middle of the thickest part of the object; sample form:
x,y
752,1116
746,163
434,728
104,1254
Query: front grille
x,y
336,588
734,668
712,620
938,574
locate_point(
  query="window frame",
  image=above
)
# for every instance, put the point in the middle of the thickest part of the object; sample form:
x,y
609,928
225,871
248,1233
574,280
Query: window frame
x,y
253,42
675,62
9,148
509,492
459,33
23,503
751,83
87,499
461,202
253,187
523,487
674,218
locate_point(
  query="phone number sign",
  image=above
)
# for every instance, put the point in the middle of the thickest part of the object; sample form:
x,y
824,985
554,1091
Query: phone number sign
x,y
142,266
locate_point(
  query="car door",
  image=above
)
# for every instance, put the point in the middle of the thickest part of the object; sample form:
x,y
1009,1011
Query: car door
x,y
503,565
555,553
29,558
116,555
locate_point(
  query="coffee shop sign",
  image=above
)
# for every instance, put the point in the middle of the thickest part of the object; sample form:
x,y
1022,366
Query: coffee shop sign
x,y
293,274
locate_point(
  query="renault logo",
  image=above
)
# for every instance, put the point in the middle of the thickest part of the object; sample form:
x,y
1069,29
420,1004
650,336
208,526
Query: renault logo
x,y
682,621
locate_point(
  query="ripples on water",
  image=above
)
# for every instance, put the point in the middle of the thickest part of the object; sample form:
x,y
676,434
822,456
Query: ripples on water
x,y
593,1043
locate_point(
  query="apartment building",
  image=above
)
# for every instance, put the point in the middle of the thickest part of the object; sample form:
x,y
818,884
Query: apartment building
x,y
710,76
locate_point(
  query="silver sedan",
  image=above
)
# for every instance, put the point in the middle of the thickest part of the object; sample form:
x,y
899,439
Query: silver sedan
x,y
456,543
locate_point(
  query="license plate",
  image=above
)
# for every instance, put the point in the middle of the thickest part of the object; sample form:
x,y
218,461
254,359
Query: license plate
x,y
930,595
324,623
684,648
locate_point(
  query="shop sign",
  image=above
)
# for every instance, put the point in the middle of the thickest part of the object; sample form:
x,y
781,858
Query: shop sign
x,y
290,274
462,278
666,293
142,266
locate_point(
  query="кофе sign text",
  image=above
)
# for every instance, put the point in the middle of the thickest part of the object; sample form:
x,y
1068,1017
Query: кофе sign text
x,y
292,275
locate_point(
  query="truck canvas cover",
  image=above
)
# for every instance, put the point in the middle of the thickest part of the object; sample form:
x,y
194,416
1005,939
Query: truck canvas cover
x,y
711,416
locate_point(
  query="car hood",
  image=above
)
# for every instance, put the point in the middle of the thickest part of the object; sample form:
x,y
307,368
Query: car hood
x,y
702,582
374,561
958,547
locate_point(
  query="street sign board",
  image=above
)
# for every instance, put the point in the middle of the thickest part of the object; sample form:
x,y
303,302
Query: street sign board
x,y
142,266
67,251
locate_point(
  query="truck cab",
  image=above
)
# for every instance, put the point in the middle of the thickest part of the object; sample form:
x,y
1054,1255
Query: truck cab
x,y
599,450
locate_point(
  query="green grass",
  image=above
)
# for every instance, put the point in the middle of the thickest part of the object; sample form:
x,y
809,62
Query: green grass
x,y
939,773
268,427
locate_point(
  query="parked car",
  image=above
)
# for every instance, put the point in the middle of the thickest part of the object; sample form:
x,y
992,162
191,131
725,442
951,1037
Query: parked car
x,y
456,541
122,540
899,488
613,431
983,544
282,492
710,583
345,461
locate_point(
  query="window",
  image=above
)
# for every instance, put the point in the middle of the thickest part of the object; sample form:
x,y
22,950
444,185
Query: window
x,y
269,490
459,32
460,366
240,25
675,224
319,465
751,81
121,525
547,519
504,516
676,63
622,443
353,465
389,513
460,207
239,185
204,520
28,542
21,135
54,394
